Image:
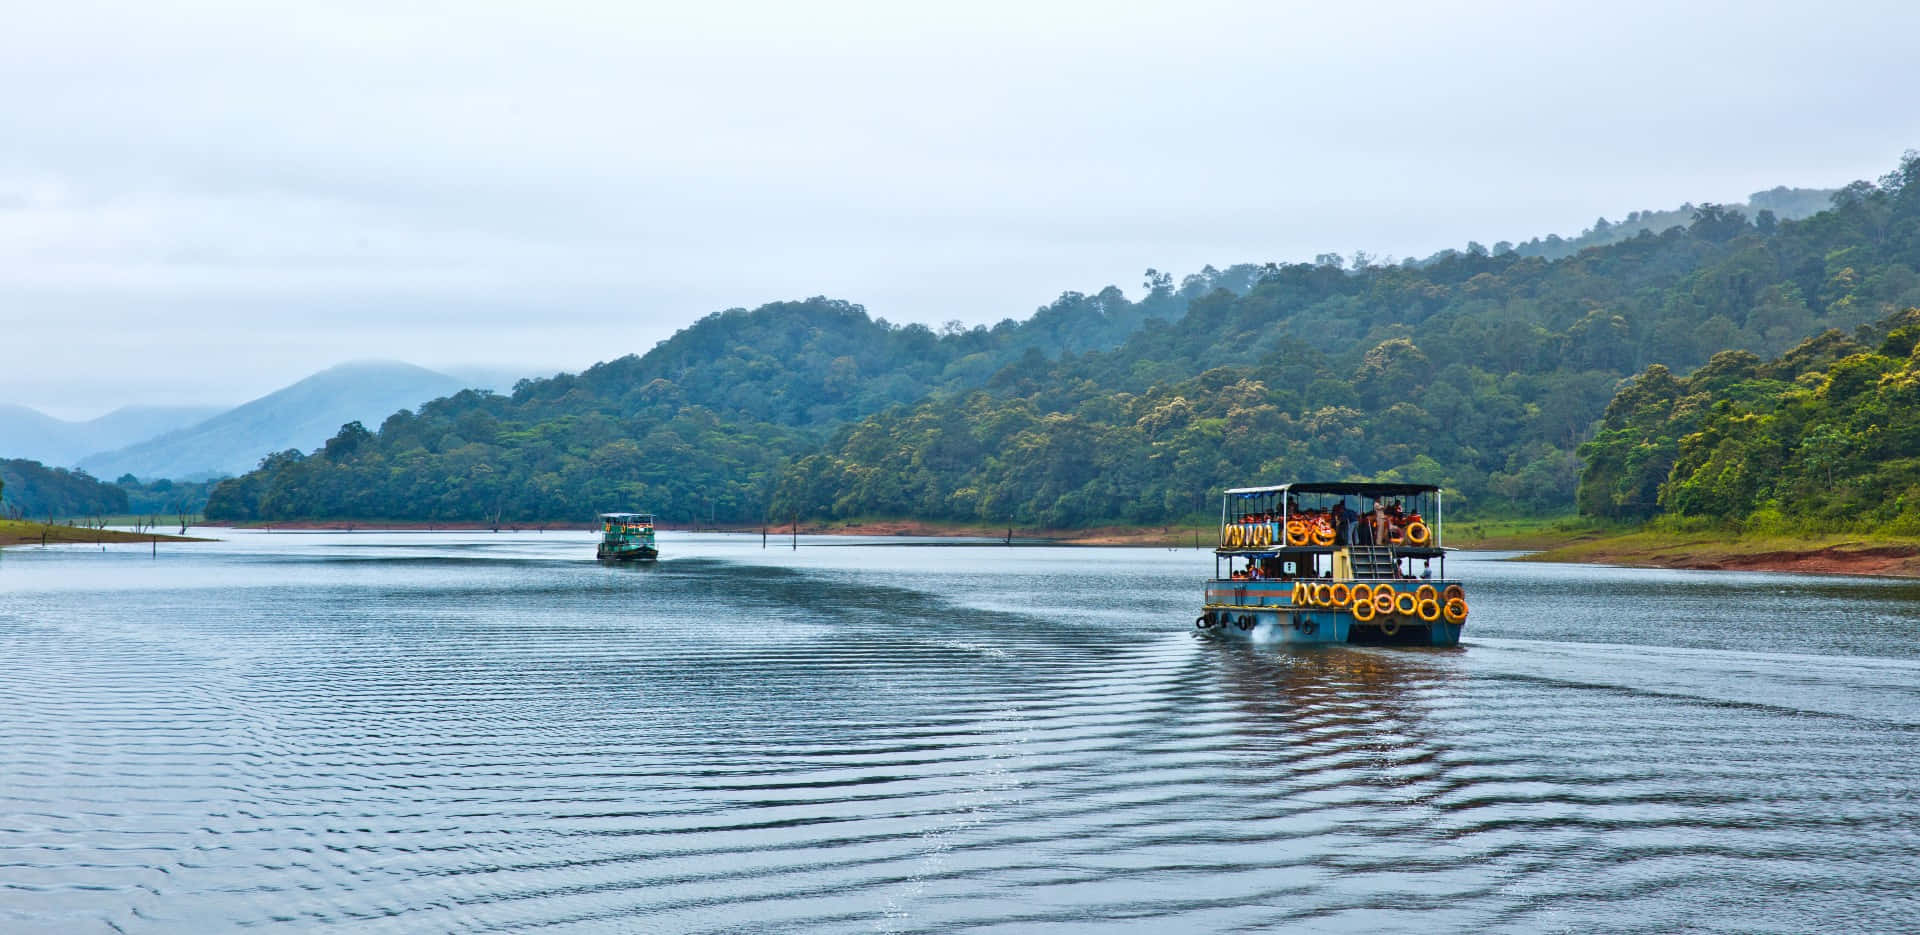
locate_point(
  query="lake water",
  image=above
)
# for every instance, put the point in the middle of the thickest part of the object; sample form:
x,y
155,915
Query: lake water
x,y
475,732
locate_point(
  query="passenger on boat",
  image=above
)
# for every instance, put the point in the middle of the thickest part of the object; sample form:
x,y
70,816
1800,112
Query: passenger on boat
x,y
1342,520
1380,523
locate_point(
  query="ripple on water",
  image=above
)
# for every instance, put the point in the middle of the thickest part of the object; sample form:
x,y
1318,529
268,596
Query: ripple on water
x,y
372,734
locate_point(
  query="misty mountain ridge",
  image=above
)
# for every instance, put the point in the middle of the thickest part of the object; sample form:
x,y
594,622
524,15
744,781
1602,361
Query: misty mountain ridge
x,y
33,435
298,416
1779,203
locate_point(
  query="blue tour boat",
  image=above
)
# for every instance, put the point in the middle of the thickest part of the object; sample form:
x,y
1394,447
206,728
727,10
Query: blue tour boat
x,y
1334,563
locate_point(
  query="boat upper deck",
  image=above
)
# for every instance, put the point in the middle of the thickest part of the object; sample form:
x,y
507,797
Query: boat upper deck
x,y
1316,518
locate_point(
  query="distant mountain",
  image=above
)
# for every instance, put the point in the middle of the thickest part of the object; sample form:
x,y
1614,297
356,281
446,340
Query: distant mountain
x,y
300,416
34,435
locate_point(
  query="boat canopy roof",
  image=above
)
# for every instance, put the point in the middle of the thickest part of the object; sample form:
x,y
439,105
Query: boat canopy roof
x,y
1338,489
627,517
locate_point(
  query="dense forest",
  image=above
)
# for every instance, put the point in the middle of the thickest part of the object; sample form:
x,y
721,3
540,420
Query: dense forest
x,y
163,497
31,490
1823,438
1482,372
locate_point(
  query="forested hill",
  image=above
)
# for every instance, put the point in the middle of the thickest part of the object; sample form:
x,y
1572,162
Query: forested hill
x,y
31,490
1481,372
695,428
1825,437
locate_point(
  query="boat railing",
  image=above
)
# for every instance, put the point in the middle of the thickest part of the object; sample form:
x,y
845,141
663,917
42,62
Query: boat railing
x,y
1303,530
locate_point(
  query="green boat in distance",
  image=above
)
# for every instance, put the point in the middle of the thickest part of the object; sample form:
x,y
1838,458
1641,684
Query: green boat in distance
x,y
626,537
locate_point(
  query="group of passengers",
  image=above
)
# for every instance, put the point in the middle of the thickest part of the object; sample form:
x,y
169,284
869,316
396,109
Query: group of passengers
x,y
1349,528
1273,569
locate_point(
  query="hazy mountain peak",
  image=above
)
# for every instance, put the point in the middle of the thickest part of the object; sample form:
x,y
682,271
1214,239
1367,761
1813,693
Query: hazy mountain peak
x,y
301,415
34,435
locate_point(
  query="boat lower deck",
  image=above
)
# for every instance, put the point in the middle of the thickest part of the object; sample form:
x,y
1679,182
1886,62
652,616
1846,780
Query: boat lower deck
x,y
1393,612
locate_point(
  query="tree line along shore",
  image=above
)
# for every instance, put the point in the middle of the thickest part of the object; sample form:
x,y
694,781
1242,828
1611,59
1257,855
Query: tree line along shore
x,y
1560,541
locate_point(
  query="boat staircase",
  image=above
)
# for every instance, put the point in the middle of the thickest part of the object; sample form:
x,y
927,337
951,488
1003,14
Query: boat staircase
x,y
1373,561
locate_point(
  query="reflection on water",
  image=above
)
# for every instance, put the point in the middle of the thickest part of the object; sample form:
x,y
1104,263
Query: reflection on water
x,y
480,732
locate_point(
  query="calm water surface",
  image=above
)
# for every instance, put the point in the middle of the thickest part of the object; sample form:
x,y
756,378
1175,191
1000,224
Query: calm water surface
x,y
476,732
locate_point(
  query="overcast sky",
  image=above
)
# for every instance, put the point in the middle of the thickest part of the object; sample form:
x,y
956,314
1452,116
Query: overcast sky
x,y
201,202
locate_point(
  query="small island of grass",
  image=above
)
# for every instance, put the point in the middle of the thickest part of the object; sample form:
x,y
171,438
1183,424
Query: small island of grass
x,y
31,532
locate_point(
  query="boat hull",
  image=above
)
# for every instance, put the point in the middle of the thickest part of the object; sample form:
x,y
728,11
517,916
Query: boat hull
x,y
641,554
1263,612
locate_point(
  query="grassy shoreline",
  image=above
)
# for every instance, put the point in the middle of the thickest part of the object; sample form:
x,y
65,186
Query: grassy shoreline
x,y
28,532
1568,539
1826,554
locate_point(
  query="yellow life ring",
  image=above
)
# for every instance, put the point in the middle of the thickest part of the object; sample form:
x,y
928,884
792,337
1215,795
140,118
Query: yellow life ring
x,y
1426,592
1455,611
1339,595
1362,610
1297,533
1226,536
1454,592
1405,604
1383,599
1429,610
1363,592
1266,534
1323,535
1322,595
1418,534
